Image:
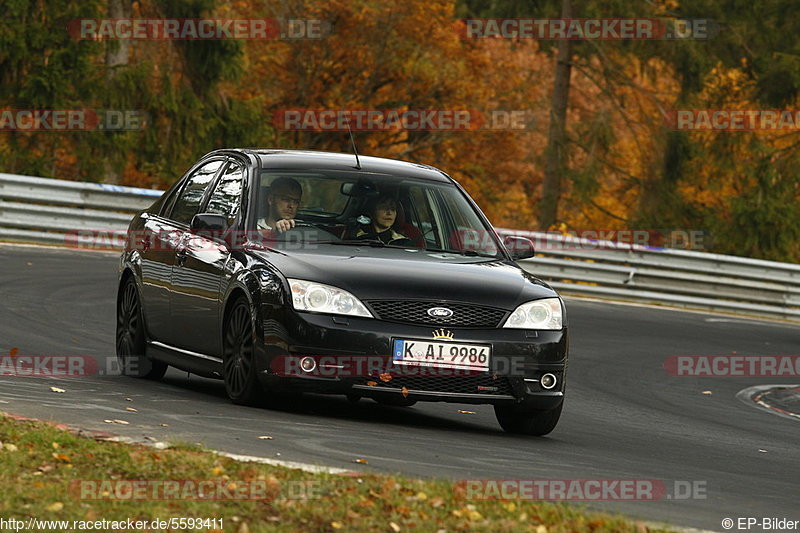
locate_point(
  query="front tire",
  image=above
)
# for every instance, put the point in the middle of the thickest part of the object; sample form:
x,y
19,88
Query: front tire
x,y
527,422
130,336
239,371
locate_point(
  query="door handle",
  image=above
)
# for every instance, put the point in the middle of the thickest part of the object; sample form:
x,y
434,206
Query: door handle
x,y
180,257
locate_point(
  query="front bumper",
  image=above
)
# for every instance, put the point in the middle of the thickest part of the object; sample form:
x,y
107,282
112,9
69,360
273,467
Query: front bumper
x,y
353,356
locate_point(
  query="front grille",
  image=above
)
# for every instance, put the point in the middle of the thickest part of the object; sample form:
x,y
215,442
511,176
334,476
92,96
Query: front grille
x,y
453,384
416,312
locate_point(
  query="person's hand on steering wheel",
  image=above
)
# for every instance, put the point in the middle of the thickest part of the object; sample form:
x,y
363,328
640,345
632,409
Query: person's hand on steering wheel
x,y
284,225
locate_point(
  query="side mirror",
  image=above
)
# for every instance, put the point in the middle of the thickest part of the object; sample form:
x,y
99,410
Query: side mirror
x,y
209,225
519,247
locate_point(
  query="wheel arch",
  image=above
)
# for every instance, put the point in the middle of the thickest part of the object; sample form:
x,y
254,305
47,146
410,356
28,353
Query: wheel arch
x,y
128,272
234,296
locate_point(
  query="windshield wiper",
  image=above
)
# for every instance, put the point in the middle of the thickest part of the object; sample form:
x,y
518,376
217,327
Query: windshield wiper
x,y
375,243
467,253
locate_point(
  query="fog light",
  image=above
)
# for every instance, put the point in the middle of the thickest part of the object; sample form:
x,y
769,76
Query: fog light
x,y
307,364
548,381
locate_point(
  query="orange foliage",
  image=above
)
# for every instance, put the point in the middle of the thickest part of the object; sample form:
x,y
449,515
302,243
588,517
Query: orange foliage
x,y
408,55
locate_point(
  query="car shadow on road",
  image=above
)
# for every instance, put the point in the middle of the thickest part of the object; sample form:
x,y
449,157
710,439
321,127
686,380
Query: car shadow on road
x,y
461,418
338,407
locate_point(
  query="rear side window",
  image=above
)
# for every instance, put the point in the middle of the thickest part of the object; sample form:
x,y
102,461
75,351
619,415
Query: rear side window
x,y
192,194
226,198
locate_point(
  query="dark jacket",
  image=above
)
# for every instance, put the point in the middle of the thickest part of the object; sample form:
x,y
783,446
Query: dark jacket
x,y
390,236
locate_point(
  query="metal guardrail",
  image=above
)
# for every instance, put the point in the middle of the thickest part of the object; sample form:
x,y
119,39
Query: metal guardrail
x,y
666,276
45,210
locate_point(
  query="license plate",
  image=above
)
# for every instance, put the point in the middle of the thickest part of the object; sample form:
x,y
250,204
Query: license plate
x,y
441,354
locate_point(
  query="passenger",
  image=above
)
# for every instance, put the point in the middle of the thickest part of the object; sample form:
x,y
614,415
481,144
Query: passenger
x,y
283,201
383,211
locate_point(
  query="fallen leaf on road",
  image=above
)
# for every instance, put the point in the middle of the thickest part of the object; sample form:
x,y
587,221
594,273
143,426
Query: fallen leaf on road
x,y
762,451
361,461
467,412
131,409
265,437
128,399
56,389
164,425
707,392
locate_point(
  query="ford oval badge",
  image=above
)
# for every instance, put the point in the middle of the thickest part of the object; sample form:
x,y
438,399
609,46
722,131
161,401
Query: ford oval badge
x,y
440,312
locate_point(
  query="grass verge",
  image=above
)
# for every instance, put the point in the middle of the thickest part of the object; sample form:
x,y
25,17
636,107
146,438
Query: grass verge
x,y
50,474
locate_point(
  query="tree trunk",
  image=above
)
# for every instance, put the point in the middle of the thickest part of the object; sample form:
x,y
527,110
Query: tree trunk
x,y
556,151
117,55
117,51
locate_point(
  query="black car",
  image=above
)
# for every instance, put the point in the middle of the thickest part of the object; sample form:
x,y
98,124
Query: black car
x,y
324,297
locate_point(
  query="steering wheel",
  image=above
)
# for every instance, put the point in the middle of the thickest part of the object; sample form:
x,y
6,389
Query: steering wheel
x,y
303,229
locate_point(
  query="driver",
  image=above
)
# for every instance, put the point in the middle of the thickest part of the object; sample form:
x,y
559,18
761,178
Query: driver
x,y
283,201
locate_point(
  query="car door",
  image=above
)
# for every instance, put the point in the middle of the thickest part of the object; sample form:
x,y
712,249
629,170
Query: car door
x,y
199,267
186,205
157,249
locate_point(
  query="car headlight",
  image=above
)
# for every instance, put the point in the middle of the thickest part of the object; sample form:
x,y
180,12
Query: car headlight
x,y
538,314
319,298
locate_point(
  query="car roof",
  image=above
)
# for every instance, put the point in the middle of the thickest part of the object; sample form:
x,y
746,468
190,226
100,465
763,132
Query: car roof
x,y
310,159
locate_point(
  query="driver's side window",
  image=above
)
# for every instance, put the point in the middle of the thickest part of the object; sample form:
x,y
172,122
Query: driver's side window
x,y
227,196
191,196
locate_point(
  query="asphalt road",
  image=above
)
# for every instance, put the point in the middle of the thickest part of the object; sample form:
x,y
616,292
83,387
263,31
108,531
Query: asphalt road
x,y
624,417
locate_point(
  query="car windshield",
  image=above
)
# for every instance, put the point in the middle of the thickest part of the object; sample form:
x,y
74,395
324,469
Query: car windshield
x,y
357,209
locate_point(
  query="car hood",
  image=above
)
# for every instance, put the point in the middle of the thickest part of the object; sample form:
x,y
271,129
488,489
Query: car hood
x,y
397,274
